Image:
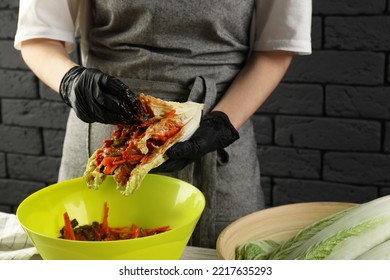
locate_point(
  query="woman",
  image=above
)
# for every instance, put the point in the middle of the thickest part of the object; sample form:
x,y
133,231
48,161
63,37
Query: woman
x,y
227,54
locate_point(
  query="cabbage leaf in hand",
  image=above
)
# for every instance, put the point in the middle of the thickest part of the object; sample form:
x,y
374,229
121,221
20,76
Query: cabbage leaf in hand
x,y
134,150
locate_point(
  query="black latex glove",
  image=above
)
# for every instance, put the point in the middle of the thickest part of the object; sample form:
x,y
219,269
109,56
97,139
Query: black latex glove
x,y
97,97
215,132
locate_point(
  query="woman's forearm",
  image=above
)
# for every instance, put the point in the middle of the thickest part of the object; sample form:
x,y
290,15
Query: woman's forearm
x,y
252,86
48,60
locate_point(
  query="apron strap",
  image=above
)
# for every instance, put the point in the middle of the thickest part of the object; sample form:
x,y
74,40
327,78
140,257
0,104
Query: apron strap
x,y
204,90
203,173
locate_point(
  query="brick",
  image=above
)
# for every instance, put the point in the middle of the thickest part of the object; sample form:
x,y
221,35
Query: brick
x,y
357,168
35,113
388,71
384,191
18,84
328,133
47,93
288,191
8,22
34,168
20,140
348,7
267,190
358,102
53,141
358,33
10,58
5,208
263,129
288,162
340,67
3,171
295,99
316,33
9,4
13,192
387,138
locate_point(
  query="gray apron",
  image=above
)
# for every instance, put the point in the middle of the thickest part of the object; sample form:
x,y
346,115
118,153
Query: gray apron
x,y
177,50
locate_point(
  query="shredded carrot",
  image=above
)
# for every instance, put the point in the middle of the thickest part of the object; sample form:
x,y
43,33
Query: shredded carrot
x,y
110,160
129,158
109,169
136,230
105,228
68,229
103,232
172,131
171,114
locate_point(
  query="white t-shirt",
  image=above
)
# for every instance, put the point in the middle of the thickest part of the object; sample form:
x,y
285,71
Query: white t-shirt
x,y
279,24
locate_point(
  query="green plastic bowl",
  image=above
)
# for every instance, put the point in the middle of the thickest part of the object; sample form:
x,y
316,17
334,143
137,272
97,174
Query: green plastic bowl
x,y
159,201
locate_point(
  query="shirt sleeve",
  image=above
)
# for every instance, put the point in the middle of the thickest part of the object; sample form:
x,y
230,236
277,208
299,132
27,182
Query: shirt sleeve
x,y
46,19
283,25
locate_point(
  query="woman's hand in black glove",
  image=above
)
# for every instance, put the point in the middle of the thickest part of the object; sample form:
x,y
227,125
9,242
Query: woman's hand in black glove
x,y
215,132
97,97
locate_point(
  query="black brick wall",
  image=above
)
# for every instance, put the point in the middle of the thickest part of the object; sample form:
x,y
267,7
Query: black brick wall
x,y
323,135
